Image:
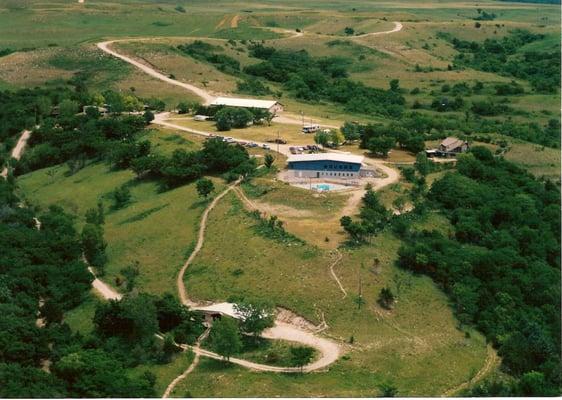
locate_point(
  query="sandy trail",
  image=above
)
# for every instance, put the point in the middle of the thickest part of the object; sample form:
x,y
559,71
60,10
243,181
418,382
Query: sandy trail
x,y
17,151
492,360
329,350
191,367
105,46
397,28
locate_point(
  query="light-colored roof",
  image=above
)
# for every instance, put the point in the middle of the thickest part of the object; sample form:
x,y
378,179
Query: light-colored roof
x,y
248,103
349,158
221,308
451,141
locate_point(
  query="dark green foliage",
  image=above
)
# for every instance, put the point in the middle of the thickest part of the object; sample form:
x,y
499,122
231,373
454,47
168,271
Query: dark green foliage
x,y
121,196
93,245
232,117
386,298
207,52
373,218
18,381
225,337
324,78
351,130
133,318
502,267
257,315
272,228
253,86
95,373
268,160
216,157
541,69
130,273
204,187
387,390
301,355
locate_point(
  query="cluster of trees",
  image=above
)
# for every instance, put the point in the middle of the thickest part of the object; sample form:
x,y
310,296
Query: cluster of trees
x,y
413,128
41,270
77,138
216,157
502,56
381,138
255,316
501,266
253,86
207,52
322,78
373,218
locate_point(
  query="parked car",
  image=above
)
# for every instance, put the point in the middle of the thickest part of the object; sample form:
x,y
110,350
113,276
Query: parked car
x,y
265,146
200,117
252,144
293,150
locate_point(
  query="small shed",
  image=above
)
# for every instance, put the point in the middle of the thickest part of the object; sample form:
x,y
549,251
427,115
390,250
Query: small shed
x,y
453,145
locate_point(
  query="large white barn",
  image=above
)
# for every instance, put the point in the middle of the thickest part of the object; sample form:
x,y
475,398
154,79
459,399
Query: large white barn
x,y
273,106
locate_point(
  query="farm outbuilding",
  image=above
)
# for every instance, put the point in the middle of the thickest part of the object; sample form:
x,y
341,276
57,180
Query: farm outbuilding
x,y
273,106
325,165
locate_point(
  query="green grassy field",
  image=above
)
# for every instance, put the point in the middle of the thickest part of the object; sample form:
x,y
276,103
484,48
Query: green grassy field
x,y
417,345
157,229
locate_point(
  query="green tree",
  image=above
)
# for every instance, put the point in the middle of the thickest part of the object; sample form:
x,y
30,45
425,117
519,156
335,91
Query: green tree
x,y
68,108
395,85
387,390
423,165
130,273
121,197
268,160
301,355
386,298
349,30
204,187
381,145
183,108
351,131
225,337
256,316
96,215
336,138
321,138
232,117
148,116
93,245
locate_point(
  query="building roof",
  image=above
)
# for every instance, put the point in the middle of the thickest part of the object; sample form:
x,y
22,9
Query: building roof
x,y
247,103
341,157
452,142
221,308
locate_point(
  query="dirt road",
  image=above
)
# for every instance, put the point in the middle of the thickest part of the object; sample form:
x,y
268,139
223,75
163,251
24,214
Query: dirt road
x,y
204,94
397,28
17,151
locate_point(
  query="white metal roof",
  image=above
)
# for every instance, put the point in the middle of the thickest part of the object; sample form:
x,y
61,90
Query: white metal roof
x,y
221,308
349,158
248,103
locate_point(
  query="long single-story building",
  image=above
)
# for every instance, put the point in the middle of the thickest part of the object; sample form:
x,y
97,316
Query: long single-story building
x,y
325,165
273,106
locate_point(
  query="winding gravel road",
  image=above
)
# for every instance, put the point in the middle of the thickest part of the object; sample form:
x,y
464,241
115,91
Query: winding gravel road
x,y
17,151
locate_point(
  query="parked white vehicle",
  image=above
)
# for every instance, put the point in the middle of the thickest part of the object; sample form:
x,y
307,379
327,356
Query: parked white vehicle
x,y
200,117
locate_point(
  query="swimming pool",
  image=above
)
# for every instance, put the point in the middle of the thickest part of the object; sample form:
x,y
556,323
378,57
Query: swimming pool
x,y
322,186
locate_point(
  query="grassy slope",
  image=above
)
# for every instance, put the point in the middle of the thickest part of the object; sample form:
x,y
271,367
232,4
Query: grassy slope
x,y
417,345
156,229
